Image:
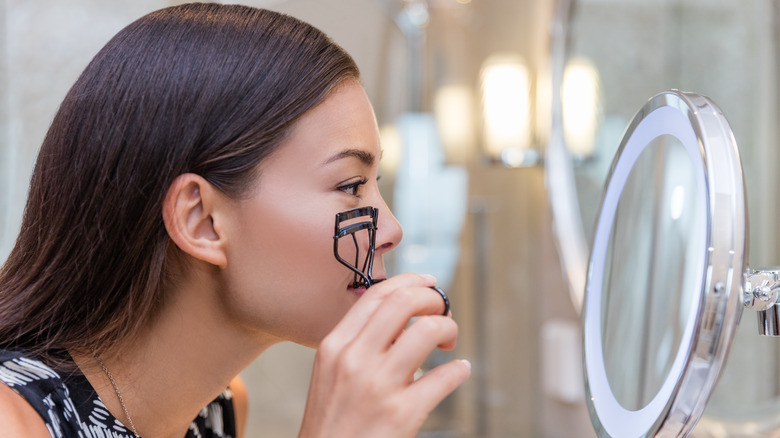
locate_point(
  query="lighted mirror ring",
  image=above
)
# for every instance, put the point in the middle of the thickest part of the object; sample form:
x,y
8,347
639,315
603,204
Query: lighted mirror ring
x,y
616,420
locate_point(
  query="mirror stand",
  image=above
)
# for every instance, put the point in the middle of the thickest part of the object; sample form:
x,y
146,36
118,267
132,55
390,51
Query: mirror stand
x,y
762,294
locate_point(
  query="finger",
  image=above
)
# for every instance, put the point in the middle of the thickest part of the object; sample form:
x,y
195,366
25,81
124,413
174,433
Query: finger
x,y
429,390
415,344
393,314
363,310
433,331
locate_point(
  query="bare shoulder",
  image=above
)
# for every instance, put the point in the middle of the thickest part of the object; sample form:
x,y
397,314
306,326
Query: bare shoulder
x,y
19,418
240,404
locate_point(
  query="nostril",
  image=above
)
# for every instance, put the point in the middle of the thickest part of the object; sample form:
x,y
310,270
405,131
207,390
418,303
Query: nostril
x,y
386,246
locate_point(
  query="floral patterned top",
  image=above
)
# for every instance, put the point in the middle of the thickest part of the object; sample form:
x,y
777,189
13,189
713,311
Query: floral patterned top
x,y
70,407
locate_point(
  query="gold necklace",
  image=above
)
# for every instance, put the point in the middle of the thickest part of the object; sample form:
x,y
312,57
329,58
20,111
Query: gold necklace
x,y
118,393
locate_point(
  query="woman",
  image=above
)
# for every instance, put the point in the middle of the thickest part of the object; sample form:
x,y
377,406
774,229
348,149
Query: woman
x,y
179,223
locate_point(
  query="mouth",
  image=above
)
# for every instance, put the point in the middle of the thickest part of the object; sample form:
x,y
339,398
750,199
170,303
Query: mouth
x,y
360,290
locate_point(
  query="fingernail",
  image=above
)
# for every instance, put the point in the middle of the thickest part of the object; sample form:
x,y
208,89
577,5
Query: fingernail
x,y
430,277
467,363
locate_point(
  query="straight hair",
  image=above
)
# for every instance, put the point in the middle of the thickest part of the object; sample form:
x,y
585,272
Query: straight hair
x,y
204,88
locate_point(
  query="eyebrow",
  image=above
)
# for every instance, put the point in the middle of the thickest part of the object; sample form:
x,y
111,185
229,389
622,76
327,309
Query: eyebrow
x,y
366,158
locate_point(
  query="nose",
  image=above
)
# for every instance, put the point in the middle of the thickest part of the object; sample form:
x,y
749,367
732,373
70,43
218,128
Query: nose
x,y
389,232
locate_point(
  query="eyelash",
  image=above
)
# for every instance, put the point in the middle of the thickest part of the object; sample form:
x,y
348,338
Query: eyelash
x,y
353,188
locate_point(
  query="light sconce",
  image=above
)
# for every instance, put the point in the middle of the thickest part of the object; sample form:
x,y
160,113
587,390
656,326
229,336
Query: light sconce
x,y
580,101
453,107
506,110
392,147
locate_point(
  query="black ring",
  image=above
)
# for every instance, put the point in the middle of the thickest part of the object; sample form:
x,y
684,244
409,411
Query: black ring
x,y
443,297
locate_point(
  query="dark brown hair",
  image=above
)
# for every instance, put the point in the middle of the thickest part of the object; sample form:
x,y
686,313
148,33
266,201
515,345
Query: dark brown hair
x,y
204,88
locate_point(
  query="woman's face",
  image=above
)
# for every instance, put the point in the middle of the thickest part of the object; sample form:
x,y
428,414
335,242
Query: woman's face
x,y
281,275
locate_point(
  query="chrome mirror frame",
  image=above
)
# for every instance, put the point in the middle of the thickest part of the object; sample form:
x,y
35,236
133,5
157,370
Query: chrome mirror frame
x,y
718,301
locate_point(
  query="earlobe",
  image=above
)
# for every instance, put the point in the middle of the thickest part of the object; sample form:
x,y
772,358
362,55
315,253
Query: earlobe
x,y
189,216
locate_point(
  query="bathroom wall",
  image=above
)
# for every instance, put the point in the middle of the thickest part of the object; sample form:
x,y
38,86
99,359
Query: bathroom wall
x,y
5,136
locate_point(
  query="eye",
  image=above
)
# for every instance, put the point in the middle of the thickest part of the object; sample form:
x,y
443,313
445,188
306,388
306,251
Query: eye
x,y
353,188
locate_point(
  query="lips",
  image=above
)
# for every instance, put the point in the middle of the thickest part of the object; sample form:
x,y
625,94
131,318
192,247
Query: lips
x,y
357,291
361,290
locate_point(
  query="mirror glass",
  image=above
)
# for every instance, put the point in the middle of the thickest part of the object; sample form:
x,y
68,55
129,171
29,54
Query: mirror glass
x,y
648,281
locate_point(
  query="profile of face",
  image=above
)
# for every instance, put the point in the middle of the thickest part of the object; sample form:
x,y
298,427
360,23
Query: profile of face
x,y
281,275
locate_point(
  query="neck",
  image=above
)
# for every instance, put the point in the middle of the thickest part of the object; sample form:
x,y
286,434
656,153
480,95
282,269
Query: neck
x,y
180,363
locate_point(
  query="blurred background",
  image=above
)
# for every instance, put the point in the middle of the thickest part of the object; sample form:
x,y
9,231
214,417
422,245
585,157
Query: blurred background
x,y
499,121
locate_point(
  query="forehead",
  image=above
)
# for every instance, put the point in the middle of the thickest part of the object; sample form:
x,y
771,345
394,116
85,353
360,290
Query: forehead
x,y
343,121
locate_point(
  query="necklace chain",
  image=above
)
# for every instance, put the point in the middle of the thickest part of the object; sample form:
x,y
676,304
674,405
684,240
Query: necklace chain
x,y
118,394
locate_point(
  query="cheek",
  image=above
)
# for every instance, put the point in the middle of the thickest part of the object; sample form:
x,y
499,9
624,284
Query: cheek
x,y
282,275
285,232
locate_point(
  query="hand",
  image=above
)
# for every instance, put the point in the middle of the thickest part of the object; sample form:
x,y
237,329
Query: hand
x,y
363,379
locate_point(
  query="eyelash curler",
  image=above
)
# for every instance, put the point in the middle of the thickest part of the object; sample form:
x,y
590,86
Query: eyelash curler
x,y
353,224
362,276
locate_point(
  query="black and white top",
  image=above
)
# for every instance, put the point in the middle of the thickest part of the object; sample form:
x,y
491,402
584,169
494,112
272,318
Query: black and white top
x,y
70,407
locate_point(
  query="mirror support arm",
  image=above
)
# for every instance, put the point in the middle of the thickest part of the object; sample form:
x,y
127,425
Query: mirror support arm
x,y
762,294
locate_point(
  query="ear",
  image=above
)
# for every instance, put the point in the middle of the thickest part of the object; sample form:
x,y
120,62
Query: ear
x,y
189,216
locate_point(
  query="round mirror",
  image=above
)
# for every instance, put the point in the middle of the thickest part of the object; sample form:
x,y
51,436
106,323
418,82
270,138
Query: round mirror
x,y
662,298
